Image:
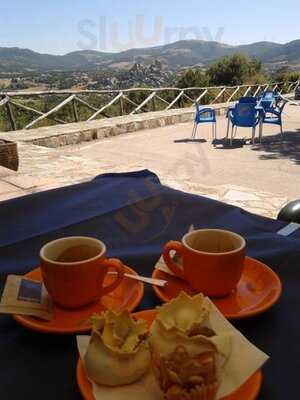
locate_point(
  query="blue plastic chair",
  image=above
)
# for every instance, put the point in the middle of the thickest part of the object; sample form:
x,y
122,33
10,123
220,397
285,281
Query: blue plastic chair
x,y
269,100
244,115
248,99
273,115
205,115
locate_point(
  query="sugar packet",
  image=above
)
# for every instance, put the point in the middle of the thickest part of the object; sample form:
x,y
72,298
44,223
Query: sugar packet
x,y
26,297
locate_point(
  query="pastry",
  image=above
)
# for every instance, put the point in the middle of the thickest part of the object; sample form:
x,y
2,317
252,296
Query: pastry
x,y
118,352
188,356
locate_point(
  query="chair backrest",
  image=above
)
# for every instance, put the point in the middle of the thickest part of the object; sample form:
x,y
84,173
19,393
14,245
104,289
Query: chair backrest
x,y
267,104
204,113
268,100
245,114
269,95
248,99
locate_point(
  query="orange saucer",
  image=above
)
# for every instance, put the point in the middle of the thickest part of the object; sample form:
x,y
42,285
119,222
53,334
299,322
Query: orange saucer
x,y
248,391
127,296
258,289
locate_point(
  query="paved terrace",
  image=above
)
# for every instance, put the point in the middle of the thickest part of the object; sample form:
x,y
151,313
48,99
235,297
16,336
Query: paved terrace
x,y
259,178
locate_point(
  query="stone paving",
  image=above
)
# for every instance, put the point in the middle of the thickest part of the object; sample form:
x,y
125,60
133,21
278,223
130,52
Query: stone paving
x,y
260,178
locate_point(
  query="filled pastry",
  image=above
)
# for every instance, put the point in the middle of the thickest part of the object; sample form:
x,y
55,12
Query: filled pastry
x,y
118,351
188,356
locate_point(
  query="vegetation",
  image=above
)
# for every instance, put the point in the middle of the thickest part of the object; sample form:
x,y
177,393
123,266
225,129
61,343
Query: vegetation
x,y
235,70
286,75
228,71
193,78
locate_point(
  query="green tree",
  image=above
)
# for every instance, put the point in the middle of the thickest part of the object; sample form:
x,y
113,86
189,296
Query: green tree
x,y
235,70
193,78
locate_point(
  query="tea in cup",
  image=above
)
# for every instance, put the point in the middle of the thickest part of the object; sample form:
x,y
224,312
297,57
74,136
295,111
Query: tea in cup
x,y
212,260
74,269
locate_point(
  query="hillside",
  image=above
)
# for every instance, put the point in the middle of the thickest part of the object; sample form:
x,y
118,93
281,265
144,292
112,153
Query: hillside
x,y
175,55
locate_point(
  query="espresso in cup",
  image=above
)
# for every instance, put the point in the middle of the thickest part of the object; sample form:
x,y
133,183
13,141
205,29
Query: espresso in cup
x,y
212,260
74,269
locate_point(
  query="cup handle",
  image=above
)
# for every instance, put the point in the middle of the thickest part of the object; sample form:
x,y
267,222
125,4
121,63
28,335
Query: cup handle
x,y
118,266
177,246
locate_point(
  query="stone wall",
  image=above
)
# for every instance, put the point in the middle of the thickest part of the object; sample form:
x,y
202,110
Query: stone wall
x,y
69,134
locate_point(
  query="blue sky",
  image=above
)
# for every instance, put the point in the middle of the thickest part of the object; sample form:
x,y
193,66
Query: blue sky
x,y
60,26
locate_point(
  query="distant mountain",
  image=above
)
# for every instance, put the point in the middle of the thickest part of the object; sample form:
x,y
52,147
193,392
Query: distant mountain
x,y
180,54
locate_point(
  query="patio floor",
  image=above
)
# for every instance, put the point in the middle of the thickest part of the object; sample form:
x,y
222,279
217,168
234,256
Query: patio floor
x,y
259,178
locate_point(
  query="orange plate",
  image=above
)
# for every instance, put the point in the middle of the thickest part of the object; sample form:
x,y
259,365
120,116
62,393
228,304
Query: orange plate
x,y
248,391
127,296
258,289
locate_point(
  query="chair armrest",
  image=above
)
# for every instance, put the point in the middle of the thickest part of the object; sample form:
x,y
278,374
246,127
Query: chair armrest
x,y
260,114
260,110
274,111
230,111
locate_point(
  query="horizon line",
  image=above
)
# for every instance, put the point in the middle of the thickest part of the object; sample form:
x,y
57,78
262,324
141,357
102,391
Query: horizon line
x,y
149,47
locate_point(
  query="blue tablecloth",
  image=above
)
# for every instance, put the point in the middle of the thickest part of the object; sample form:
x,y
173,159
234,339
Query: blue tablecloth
x,y
135,216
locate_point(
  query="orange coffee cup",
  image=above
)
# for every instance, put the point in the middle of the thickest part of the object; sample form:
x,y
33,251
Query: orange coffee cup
x,y
212,260
74,268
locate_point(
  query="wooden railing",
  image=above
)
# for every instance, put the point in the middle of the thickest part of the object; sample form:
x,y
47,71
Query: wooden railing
x,y
25,110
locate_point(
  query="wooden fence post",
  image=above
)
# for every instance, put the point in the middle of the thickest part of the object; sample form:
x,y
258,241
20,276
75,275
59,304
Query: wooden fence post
x,y
121,106
75,110
153,104
11,117
181,101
